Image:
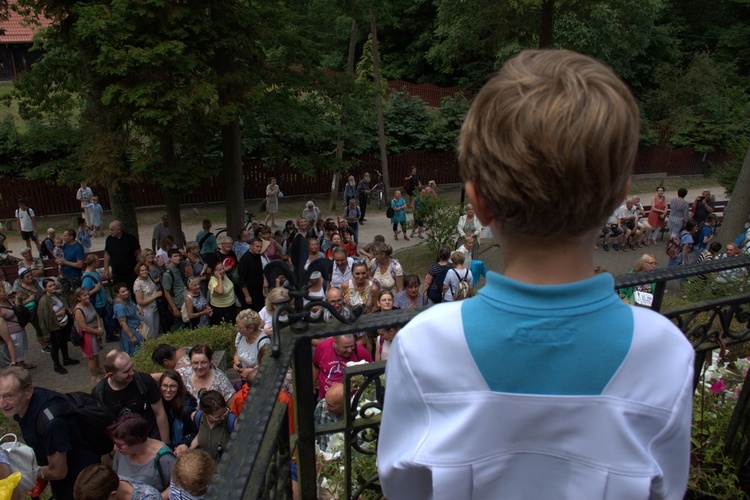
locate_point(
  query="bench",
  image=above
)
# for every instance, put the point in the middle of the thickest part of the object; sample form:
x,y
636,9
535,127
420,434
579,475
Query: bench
x,y
50,267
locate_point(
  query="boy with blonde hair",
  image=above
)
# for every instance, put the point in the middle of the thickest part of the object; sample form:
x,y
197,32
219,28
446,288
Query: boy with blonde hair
x,y
542,385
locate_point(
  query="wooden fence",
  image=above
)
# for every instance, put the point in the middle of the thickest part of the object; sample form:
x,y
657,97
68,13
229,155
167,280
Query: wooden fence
x,y
47,198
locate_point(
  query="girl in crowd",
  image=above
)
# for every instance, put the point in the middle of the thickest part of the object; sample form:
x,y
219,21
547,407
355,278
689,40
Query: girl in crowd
x,y
398,204
249,339
28,294
179,406
126,313
385,270
410,297
137,456
385,335
201,374
56,323
360,290
93,283
433,280
196,304
92,329
272,201
146,294
221,292
456,275
17,332
215,423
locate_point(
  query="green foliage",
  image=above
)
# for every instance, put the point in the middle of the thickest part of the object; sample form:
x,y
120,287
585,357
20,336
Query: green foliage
x,y
440,217
218,338
446,124
407,121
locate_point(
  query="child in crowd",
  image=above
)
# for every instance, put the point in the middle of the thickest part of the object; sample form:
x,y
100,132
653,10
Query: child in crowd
x,y
96,211
57,253
191,475
525,390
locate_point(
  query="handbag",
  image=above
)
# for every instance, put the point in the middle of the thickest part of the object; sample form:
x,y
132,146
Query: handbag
x,y
389,212
76,336
22,459
143,330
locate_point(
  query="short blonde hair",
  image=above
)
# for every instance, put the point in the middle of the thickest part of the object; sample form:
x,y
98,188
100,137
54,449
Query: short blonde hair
x,y
276,294
193,470
248,317
552,132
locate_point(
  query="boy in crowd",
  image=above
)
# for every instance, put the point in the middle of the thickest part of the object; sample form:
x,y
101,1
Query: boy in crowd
x,y
545,405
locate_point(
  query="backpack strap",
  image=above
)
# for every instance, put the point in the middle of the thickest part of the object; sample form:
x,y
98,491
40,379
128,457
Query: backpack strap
x,y
231,419
205,237
157,466
197,418
142,390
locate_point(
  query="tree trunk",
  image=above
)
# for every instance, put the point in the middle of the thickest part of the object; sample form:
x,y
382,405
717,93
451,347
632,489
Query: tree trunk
x,y
123,205
172,196
739,206
340,143
547,28
379,104
231,147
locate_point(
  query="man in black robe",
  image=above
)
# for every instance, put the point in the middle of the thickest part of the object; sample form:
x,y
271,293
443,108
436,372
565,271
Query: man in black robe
x,y
250,276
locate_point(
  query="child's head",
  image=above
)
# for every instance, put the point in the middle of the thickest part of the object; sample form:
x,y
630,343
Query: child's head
x,y
58,242
192,471
553,131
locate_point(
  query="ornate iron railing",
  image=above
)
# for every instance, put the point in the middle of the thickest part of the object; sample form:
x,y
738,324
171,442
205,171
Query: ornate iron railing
x,y
258,459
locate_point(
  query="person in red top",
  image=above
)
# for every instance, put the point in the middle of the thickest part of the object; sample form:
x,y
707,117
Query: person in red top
x,y
330,358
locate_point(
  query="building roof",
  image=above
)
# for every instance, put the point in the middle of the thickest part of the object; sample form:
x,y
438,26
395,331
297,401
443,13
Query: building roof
x,y
18,30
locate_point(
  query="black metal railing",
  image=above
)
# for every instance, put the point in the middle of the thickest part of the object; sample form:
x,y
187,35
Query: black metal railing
x,y
259,456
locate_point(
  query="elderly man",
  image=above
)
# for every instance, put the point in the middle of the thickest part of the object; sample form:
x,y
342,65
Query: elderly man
x,y
731,275
125,390
628,222
331,357
62,449
241,244
702,206
342,267
328,410
121,251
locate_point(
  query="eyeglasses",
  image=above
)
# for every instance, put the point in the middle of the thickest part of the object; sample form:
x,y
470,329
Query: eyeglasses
x,y
200,363
165,387
218,419
651,263
119,446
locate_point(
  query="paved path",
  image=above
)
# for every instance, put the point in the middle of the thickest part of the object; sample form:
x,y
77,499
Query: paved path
x,y
78,376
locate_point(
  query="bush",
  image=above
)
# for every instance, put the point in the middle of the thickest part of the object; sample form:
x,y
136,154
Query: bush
x,y
218,338
440,217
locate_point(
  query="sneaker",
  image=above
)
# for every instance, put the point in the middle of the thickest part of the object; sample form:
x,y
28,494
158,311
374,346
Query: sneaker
x,y
411,235
69,362
421,236
363,220
46,350
616,246
62,371
406,238
605,247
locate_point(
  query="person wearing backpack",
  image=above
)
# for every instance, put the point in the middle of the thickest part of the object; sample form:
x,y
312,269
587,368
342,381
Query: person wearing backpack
x,y
459,282
215,424
62,448
684,242
138,456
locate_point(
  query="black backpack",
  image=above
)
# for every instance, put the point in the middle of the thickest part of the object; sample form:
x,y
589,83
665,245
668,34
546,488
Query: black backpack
x,y
93,416
44,252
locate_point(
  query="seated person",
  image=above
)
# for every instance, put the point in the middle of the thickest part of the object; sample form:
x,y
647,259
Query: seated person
x,y
612,228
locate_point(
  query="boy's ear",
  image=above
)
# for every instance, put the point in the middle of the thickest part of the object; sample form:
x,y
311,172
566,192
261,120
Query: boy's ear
x,y
481,209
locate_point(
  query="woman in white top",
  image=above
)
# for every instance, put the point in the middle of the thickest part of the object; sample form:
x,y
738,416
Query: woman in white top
x,y
385,270
360,290
146,293
275,295
250,338
469,225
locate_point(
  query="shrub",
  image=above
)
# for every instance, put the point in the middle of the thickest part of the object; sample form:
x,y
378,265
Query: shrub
x,y
218,338
440,217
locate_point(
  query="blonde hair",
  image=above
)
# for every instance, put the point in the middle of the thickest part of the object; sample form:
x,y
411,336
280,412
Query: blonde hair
x,y
193,470
550,127
458,257
248,317
276,294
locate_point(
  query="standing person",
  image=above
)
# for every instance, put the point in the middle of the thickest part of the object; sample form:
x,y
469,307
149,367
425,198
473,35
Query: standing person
x,y
248,341
96,211
330,359
85,195
658,213
412,185
206,239
455,276
311,213
83,234
173,284
435,277
352,214
121,251
398,204
126,313
16,331
679,212
62,448
702,206
491,431
161,229
686,245
146,294
350,190
25,217
273,193
469,226
125,390
221,297
55,323
251,276
28,295
71,265
363,190
196,304
90,324
92,282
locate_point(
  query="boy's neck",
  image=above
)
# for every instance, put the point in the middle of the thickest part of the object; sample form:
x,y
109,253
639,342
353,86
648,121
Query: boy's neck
x,y
547,261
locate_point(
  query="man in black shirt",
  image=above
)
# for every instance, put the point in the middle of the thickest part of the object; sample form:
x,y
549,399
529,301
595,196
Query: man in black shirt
x,y
125,390
250,277
62,450
121,251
